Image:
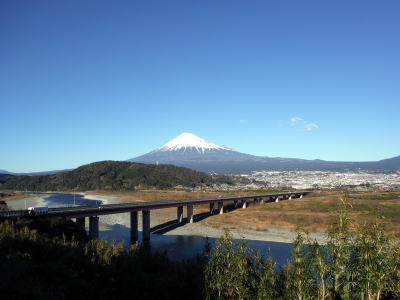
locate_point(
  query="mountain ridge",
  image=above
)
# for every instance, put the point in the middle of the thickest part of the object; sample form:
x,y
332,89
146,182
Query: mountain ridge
x,y
34,173
223,160
113,175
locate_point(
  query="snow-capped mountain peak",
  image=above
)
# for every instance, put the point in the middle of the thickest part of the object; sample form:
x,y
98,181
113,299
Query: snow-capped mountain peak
x,y
190,141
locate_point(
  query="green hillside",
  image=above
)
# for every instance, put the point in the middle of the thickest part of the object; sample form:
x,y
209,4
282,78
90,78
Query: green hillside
x,y
113,175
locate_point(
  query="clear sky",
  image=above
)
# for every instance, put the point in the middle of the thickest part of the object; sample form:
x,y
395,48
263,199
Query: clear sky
x,y
83,81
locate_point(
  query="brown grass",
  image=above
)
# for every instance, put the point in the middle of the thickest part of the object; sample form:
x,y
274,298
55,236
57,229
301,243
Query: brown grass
x,y
13,197
314,213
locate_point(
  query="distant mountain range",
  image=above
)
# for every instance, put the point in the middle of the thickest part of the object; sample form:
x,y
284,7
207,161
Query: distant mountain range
x,y
113,175
191,151
34,173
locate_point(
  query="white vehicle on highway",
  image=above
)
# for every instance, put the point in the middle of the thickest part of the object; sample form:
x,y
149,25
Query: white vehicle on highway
x,y
38,210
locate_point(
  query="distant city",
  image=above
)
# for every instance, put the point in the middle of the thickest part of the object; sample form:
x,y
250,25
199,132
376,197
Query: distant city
x,y
304,180
327,180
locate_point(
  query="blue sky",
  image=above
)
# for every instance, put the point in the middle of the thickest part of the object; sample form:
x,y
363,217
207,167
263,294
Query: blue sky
x,y
83,81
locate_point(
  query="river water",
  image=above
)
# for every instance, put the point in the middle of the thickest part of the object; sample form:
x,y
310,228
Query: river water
x,y
116,228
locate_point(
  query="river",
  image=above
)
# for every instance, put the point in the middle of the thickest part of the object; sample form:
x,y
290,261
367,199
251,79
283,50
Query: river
x,y
116,228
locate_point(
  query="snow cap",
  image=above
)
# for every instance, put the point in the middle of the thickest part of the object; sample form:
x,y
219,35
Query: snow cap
x,y
189,140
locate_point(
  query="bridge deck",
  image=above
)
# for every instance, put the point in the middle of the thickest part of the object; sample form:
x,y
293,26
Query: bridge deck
x,y
87,211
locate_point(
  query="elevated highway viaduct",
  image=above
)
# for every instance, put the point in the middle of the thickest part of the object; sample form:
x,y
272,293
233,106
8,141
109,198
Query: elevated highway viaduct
x,y
93,212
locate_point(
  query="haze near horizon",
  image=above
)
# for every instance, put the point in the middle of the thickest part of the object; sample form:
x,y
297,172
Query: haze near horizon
x,y
89,81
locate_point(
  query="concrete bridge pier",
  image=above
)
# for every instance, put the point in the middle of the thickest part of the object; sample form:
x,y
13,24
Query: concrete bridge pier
x,y
277,199
81,222
261,200
146,225
211,208
244,204
301,196
190,213
94,227
221,207
134,227
180,214
235,203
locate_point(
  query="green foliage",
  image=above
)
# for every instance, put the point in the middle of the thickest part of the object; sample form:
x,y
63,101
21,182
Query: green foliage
x,y
114,175
101,252
297,273
35,266
267,278
230,273
339,250
320,269
373,262
358,262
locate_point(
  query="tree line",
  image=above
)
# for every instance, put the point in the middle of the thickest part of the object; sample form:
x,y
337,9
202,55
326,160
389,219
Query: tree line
x,y
114,175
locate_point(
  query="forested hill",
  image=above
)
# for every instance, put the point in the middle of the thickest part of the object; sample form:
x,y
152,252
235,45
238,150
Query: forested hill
x,y
113,175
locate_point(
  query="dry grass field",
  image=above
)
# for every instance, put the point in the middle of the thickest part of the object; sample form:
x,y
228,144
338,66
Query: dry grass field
x,y
315,212
11,196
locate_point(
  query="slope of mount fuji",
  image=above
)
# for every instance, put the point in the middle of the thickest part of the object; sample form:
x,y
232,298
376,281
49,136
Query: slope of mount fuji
x,y
191,151
196,153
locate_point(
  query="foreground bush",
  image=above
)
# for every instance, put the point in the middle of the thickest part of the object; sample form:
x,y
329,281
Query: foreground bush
x,y
35,266
356,263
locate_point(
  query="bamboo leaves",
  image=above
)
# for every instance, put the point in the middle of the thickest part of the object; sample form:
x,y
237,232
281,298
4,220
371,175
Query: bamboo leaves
x,y
357,262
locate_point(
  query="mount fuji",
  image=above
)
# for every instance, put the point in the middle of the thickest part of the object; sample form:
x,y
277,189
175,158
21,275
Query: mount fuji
x,y
191,151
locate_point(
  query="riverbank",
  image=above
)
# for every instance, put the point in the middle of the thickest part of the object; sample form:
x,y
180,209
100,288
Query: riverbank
x,y
200,228
7,196
276,221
